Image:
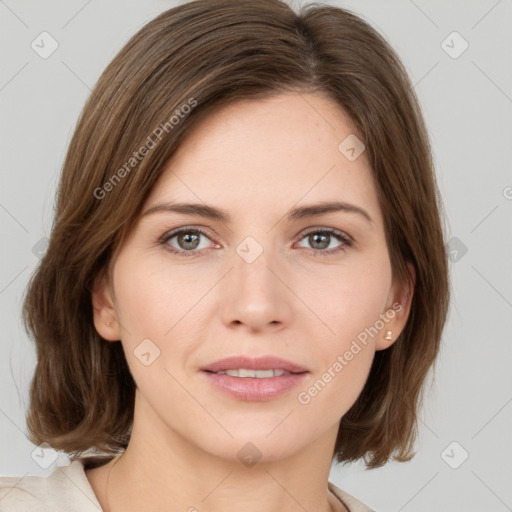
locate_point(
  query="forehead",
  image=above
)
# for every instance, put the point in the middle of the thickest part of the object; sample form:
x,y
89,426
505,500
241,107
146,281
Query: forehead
x,y
280,151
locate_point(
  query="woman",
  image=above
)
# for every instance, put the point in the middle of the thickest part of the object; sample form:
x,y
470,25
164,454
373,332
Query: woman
x,y
246,278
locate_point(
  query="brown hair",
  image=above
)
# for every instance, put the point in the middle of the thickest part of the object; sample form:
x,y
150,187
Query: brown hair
x,y
206,54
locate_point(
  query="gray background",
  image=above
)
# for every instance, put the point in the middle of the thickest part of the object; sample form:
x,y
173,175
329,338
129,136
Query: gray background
x,y
467,103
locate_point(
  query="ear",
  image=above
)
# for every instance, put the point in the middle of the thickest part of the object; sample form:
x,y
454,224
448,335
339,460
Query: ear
x,y
397,311
104,312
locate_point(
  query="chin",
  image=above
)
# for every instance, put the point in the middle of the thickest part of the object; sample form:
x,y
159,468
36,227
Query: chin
x,y
249,449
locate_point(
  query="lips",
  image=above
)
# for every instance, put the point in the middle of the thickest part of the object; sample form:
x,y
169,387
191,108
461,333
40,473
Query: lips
x,y
254,363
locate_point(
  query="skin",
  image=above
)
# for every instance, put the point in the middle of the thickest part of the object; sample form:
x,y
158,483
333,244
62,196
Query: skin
x,y
256,160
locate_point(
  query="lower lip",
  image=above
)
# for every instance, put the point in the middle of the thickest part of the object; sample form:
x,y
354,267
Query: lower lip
x,y
254,389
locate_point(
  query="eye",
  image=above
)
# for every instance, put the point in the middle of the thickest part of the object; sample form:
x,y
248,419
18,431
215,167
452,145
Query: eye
x,y
321,239
188,241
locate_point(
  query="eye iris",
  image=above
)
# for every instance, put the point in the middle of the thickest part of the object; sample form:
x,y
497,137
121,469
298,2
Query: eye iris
x,y
321,241
188,240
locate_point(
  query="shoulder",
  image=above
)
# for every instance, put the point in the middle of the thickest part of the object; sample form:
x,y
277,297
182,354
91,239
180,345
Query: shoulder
x,y
66,488
351,503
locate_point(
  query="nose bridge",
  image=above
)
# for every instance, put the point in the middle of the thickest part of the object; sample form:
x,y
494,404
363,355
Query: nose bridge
x,y
252,261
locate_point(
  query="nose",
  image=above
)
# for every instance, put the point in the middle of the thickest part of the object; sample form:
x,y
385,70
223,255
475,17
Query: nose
x,y
254,292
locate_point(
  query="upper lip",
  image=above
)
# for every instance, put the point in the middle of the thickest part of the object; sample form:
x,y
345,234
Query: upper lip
x,y
254,363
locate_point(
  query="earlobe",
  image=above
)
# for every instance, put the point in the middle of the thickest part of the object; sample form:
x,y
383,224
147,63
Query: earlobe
x,y
104,313
385,339
398,313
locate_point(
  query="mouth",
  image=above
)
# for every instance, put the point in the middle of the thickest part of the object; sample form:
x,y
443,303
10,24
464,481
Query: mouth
x,y
255,380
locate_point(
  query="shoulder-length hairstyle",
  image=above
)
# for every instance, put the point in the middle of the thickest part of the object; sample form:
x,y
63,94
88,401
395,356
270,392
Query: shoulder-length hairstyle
x,y
179,68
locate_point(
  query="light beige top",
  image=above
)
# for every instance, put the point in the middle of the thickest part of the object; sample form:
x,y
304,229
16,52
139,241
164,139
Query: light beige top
x,y
67,489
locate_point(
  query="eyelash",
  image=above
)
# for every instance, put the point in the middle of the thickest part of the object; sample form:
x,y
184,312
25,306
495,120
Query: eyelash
x,y
339,235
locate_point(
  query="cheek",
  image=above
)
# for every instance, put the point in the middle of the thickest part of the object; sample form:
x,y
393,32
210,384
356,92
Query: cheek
x,y
347,299
152,295
142,302
344,358
349,304
159,302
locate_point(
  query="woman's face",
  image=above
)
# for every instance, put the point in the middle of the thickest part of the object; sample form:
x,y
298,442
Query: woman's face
x,y
314,290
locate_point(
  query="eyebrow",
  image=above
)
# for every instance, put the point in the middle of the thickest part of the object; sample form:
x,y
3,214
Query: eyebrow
x,y
297,213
